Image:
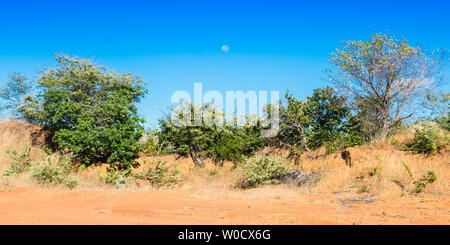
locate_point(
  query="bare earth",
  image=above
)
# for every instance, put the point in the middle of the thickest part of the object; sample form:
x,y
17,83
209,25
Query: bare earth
x,y
56,206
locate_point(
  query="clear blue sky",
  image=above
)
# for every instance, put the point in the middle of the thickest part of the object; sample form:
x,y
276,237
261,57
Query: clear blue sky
x,y
274,45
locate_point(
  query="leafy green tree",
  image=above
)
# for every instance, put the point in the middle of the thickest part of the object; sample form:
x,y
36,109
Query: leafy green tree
x,y
387,74
295,124
328,116
322,119
91,111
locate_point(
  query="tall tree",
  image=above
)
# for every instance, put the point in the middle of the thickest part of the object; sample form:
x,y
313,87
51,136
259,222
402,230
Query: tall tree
x,y
387,74
17,99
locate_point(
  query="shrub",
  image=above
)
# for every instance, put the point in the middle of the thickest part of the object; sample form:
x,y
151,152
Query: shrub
x,y
51,173
428,139
116,177
263,171
152,144
322,119
92,112
21,162
160,175
218,142
426,179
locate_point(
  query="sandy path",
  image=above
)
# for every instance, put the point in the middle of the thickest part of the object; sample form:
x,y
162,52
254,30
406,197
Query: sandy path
x,y
54,206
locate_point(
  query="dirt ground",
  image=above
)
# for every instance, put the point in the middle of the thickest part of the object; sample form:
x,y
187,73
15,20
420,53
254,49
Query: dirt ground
x,y
20,205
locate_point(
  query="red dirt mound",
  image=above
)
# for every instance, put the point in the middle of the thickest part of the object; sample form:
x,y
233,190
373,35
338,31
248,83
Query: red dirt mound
x,y
23,132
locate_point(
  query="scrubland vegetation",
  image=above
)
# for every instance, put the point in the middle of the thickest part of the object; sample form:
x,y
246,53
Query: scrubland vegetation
x,y
77,126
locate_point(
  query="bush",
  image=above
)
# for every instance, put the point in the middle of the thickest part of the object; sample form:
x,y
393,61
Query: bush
x,y
218,142
160,175
92,112
427,139
153,146
263,171
322,119
51,173
116,177
21,162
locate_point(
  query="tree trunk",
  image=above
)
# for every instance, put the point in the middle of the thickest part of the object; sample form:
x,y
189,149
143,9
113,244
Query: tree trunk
x,y
193,153
384,130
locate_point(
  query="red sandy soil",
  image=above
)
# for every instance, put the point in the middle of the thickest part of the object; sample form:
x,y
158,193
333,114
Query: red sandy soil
x,y
56,206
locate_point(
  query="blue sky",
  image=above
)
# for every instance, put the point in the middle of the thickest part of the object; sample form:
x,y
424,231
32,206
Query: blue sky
x,y
274,45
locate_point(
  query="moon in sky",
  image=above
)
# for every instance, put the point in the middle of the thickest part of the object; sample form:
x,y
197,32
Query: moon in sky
x,y
225,48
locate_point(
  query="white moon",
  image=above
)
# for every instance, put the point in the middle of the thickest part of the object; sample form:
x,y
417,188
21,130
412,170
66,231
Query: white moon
x,y
225,48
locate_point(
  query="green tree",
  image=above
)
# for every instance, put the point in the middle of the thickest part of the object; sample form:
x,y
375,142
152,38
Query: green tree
x,y
328,116
17,99
320,119
217,141
91,111
387,74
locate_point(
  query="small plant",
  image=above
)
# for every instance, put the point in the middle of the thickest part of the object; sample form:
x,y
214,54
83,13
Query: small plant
x,y
421,184
116,177
263,171
361,176
50,173
21,162
160,175
429,139
426,179
363,188
407,169
374,170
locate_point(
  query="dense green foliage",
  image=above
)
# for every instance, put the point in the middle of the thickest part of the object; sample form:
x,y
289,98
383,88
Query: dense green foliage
x,y
92,112
219,142
263,171
320,120
429,138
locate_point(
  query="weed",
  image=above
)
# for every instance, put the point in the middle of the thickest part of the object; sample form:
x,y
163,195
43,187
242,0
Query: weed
x,y
21,162
421,184
50,173
118,178
374,170
160,175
